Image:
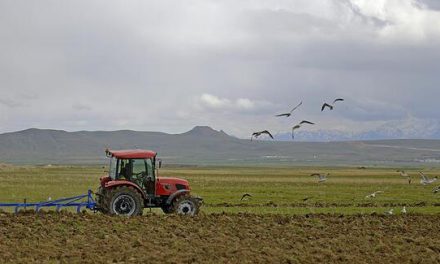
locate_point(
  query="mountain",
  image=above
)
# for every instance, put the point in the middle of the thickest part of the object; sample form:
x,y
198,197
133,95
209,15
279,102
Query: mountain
x,y
396,129
203,145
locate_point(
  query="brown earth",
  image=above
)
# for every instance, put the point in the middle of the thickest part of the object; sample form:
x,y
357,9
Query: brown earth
x,y
219,238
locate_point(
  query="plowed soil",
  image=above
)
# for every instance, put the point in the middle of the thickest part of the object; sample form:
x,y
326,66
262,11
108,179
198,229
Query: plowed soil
x,y
219,238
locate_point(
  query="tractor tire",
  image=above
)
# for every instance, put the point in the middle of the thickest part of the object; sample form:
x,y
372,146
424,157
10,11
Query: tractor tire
x,y
168,209
101,203
124,200
186,205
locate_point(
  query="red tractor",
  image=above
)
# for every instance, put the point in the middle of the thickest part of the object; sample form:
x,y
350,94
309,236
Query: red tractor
x,y
133,184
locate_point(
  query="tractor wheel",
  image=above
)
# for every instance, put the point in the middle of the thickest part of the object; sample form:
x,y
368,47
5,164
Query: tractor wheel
x,y
186,205
125,201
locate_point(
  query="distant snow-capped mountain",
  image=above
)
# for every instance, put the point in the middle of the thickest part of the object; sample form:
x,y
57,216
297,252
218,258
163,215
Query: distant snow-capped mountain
x,y
410,128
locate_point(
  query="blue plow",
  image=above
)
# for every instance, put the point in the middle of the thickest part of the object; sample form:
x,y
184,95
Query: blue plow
x,y
80,201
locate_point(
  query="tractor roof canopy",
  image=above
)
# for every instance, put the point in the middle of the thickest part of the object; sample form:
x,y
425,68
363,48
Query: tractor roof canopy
x,y
131,154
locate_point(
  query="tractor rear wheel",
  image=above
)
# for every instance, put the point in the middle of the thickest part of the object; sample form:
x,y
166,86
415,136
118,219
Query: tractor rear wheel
x,y
124,200
186,205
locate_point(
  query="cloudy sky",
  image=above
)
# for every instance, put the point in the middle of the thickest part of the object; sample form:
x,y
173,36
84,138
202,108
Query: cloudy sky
x,y
170,65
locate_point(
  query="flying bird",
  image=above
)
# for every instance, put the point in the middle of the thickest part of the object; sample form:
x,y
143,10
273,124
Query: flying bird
x,y
425,180
331,106
299,125
291,111
373,195
245,195
321,177
257,134
326,105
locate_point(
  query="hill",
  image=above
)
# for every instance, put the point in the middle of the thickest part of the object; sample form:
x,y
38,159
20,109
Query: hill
x,y
204,145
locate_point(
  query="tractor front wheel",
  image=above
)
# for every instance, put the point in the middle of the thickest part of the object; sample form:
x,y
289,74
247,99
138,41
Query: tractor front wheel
x,y
186,205
125,201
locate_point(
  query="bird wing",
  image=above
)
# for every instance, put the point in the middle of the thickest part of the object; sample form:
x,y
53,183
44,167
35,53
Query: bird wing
x,y
326,105
296,127
296,107
315,174
424,177
245,195
267,133
306,122
338,100
286,115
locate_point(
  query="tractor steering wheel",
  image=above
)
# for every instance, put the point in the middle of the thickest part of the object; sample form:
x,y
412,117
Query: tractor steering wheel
x,y
139,174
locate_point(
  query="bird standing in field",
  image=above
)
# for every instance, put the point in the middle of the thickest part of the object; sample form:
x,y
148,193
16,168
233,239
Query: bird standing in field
x,y
390,212
373,195
291,111
245,196
321,177
425,180
403,211
257,134
436,189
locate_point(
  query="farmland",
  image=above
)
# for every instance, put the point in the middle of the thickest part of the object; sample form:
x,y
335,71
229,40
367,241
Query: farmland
x,y
290,218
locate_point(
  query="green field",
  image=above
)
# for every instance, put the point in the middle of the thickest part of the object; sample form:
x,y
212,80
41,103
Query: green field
x,y
273,189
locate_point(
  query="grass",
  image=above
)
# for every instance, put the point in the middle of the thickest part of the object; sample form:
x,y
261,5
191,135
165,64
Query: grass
x,y
274,189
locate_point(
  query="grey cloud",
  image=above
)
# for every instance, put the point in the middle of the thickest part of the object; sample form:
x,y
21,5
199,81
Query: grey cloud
x,y
149,60
432,4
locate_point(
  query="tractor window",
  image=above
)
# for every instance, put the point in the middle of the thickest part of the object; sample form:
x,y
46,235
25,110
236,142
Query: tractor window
x,y
138,166
112,168
150,170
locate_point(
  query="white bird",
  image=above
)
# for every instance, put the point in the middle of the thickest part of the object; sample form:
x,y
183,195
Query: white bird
x,y
373,195
403,211
49,199
390,212
425,180
321,177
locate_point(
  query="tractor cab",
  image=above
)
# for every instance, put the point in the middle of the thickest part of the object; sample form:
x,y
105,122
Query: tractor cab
x,y
138,167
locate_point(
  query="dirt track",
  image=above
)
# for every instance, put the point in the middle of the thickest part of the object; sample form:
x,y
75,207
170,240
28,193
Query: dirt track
x,y
71,238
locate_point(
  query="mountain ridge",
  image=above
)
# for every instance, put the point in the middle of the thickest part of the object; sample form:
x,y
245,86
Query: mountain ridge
x,y
203,145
